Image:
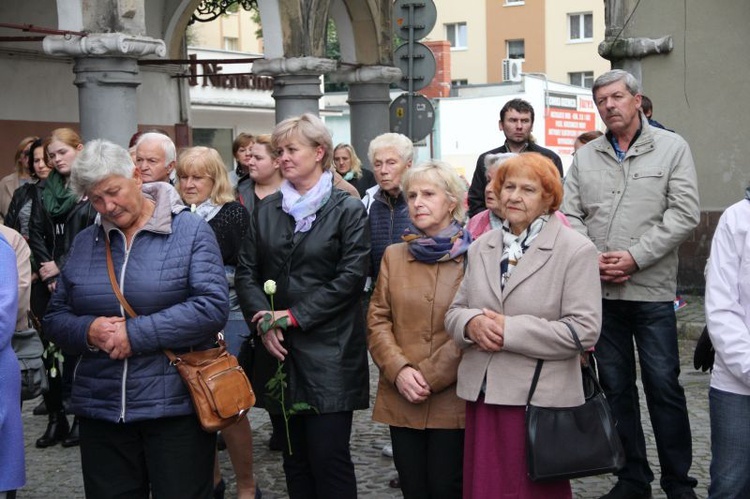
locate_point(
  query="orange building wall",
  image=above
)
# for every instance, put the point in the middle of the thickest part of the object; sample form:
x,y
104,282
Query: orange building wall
x,y
514,22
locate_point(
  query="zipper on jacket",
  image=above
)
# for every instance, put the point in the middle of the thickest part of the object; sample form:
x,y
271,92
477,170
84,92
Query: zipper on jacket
x,y
122,311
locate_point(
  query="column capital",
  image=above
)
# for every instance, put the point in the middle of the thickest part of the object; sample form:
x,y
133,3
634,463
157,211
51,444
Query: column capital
x,y
365,74
104,45
293,66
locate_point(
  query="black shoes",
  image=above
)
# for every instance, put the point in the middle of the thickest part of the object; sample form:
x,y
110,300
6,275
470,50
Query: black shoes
x,y
625,490
57,430
72,440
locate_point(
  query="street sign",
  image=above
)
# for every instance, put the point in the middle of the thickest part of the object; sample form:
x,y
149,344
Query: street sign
x,y
416,107
423,66
425,16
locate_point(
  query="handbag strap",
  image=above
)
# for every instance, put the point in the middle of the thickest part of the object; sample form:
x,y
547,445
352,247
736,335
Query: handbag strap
x,y
118,293
586,364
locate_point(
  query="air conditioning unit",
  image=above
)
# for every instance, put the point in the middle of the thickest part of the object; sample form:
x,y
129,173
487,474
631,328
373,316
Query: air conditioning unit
x,y
512,69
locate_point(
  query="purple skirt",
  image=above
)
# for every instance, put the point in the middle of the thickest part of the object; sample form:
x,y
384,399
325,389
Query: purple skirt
x,y
495,456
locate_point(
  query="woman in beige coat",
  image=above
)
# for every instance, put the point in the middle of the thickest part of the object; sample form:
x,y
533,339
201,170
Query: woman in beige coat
x,y
407,338
522,283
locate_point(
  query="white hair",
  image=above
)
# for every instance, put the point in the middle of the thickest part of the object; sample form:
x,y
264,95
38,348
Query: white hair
x,y
98,160
170,152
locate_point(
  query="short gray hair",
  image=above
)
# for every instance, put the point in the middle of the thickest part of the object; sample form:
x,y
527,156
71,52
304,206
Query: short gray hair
x,y
610,77
170,151
493,161
99,159
400,143
443,176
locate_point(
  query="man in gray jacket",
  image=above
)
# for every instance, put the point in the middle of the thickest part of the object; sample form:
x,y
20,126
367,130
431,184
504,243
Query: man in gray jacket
x,y
634,192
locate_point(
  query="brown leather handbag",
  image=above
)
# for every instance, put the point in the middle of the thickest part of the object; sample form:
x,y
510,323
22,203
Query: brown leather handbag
x,y
218,386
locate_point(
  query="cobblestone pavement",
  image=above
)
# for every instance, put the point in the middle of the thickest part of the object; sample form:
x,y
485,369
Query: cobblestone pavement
x,y
55,472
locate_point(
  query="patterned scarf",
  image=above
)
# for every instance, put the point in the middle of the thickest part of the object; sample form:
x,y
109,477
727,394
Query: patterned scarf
x,y
206,210
303,207
515,246
450,243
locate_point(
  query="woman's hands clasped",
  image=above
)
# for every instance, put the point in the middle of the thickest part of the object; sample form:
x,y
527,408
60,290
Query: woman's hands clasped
x,y
110,335
487,330
412,385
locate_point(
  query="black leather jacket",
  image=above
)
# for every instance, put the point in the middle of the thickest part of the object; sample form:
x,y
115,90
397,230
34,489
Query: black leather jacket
x,y
320,275
52,241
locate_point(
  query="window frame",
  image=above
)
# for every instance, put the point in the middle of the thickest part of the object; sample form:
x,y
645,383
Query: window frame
x,y
507,49
456,31
585,75
581,27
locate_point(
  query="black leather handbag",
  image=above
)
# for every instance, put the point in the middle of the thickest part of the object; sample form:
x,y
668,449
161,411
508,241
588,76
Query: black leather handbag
x,y
571,442
703,357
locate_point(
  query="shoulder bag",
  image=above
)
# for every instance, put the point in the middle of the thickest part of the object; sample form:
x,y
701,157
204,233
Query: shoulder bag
x,y
29,350
218,386
571,442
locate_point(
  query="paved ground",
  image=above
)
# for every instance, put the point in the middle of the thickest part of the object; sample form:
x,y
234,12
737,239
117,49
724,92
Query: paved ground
x,y
55,472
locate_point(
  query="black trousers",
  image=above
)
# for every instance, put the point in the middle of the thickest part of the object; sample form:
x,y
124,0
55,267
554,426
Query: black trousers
x,y
168,457
320,465
429,462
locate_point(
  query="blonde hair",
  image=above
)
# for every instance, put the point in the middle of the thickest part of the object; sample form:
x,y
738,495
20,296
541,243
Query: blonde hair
x,y
443,176
310,129
356,163
66,135
26,141
206,160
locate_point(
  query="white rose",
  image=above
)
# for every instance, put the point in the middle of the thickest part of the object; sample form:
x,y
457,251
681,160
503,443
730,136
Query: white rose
x,y
269,287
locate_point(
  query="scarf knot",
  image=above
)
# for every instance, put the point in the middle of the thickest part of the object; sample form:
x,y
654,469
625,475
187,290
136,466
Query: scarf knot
x,y
450,243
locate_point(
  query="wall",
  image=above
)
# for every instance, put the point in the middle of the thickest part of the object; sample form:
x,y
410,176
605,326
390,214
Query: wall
x,y
466,64
514,22
565,57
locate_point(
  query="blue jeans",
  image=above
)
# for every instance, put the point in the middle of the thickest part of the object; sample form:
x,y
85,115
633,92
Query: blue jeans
x,y
730,444
654,327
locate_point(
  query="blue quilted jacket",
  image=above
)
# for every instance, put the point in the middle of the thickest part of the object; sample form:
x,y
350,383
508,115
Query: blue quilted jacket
x,y
173,277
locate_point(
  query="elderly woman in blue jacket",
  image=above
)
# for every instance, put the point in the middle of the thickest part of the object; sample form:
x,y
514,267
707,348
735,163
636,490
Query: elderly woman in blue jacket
x,y
138,430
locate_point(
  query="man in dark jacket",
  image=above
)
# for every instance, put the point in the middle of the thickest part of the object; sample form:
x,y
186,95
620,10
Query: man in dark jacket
x,y
516,122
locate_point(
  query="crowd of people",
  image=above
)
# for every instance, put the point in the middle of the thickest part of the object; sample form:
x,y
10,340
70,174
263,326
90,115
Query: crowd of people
x,y
455,309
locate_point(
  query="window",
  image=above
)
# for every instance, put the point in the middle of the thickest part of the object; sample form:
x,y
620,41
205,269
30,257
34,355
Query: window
x,y
516,49
456,35
459,83
581,27
582,79
231,43
514,2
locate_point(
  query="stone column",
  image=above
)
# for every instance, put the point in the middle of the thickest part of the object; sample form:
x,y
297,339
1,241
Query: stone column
x,y
107,75
369,101
297,87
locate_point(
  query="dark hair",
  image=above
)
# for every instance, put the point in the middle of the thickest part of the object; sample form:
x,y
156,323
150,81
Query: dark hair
x,y
646,105
36,145
519,105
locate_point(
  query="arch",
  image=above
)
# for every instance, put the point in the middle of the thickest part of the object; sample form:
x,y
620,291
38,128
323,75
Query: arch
x,y
174,33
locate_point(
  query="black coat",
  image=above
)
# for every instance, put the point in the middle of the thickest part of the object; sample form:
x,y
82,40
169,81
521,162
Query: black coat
x,y
51,240
320,275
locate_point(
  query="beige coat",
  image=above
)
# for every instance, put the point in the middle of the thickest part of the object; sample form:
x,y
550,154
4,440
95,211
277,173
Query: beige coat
x,y
406,328
23,260
556,280
8,186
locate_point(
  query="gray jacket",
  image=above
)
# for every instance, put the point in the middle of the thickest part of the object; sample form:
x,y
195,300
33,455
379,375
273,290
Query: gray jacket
x,y
648,205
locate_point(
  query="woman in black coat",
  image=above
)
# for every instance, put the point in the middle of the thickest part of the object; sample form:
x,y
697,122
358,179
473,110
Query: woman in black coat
x,y
312,241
